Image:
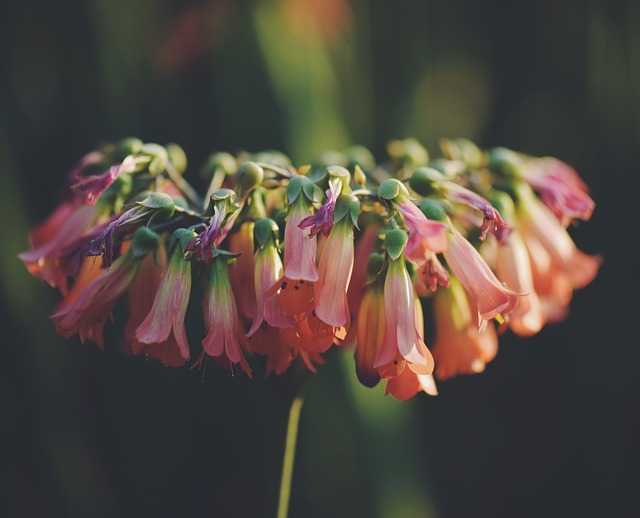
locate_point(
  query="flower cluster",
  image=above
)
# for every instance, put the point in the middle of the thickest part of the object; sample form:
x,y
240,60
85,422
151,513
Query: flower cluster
x,y
291,261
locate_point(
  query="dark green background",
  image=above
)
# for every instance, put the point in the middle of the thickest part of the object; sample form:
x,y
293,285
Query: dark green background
x,y
550,429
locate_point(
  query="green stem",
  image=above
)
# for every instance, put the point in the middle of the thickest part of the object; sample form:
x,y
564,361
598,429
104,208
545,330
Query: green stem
x,y
289,456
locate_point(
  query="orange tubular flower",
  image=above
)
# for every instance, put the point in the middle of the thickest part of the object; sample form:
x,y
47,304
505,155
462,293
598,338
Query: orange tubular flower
x,y
88,313
459,346
221,315
241,272
162,333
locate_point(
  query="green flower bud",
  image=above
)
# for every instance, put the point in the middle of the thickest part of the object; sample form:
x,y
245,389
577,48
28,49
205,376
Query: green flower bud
x,y
433,209
177,157
248,176
159,157
391,189
424,180
127,146
505,161
408,151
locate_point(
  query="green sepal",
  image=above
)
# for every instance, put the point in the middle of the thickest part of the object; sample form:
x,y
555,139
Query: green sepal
x,y
302,184
433,209
144,241
265,230
347,205
224,254
394,242
226,197
180,239
504,204
505,161
161,204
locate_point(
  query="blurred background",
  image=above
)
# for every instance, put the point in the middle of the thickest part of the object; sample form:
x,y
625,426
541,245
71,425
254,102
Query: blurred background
x,y
551,428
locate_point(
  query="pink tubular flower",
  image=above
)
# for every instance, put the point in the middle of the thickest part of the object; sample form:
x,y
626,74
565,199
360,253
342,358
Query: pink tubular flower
x,y
560,188
401,336
162,333
422,231
268,273
299,249
459,347
491,297
88,313
221,317
336,266
92,187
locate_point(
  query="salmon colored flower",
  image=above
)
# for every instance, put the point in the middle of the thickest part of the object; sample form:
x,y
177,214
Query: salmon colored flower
x,y
405,380
299,248
268,274
221,316
88,313
459,347
491,297
514,267
162,333
241,273
400,337
69,221
336,265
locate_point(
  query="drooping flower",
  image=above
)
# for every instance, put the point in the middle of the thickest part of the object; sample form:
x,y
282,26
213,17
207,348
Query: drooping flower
x,y
162,333
268,272
241,273
336,265
459,347
400,337
222,340
88,313
491,297
299,248
91,187
561,189
370,324
68,222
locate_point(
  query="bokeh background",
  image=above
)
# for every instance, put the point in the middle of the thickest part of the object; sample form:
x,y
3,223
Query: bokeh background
x,y
550,429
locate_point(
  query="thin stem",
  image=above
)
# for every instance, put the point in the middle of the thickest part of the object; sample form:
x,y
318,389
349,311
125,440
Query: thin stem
x,y
289,456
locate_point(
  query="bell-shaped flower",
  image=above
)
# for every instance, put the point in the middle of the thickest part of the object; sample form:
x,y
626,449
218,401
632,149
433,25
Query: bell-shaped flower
x,y
459,346
241,272
222,340
401,336
267,274
88,313
162,333
491,297
323,220
336,264
299,247
514,267
537,222
69,222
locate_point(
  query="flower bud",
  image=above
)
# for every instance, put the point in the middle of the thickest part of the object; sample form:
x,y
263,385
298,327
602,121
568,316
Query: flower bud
x,y
127,146
359,156
423,179
177,157
408,151
144,241
433,209
505,161
221,161
248,176
390,189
